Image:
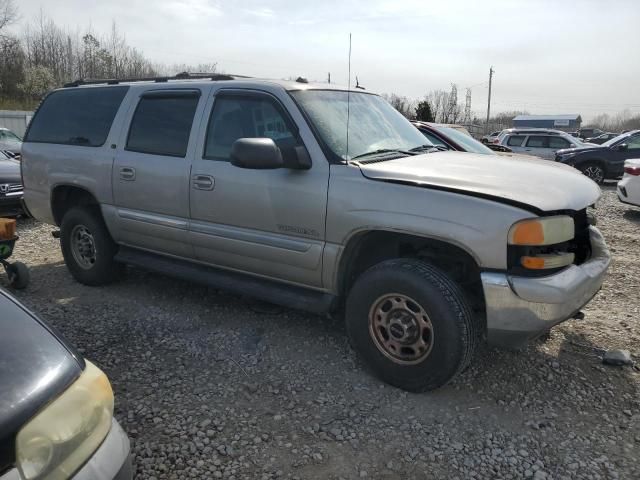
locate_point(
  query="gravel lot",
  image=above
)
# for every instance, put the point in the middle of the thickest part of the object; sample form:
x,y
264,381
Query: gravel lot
x,y
210,385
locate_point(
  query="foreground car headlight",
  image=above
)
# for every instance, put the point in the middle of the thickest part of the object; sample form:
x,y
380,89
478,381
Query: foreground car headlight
x,y
62,436
542,231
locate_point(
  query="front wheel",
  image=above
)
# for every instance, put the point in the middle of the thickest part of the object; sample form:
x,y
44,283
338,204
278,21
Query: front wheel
x,y
594,171
87,247
411,324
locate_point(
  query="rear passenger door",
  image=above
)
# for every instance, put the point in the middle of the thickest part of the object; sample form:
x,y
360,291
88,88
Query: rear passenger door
x,y
151,171
538,145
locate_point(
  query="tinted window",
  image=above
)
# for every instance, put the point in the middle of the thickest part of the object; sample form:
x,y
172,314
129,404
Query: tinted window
x,y
538,141
161,125
469,144
78,116
235,117
558,143
515,140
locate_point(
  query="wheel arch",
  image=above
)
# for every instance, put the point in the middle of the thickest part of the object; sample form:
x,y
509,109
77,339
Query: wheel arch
x,y
64,196
367,248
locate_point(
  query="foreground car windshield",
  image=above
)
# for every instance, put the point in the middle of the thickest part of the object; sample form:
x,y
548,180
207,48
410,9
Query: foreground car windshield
x,y
373,123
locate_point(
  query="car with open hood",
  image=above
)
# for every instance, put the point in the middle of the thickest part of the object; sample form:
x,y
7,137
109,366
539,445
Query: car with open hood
x,y
319,198
606,161
56,408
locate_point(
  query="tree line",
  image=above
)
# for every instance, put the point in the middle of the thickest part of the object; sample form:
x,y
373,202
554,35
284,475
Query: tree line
x,y
45,56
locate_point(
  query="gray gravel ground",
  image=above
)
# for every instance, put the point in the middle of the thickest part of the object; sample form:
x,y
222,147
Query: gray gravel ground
x,y
210,385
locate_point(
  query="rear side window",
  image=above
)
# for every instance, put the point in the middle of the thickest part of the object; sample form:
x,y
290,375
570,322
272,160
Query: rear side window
x,y
515,140
161,124
558,143
78,116
538,141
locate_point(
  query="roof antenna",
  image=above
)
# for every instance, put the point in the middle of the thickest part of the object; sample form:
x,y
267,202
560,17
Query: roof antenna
x,y
348,99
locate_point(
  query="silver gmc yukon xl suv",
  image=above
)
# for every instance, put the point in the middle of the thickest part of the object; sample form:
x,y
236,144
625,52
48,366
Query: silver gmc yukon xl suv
x,y
320,199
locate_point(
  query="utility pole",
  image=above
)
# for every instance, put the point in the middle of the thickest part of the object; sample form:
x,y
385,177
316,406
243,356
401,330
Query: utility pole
x,y
467,108
489,100
329,78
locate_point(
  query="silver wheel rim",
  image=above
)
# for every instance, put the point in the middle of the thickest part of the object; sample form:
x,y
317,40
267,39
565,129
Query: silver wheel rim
x,y
83,247
594,173
401,329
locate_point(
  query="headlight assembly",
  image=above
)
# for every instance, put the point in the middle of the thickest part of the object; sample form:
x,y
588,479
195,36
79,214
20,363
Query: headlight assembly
x,y
542,231
62,436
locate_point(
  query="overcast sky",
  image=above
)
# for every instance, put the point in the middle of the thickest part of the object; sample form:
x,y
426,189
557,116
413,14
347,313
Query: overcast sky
x,y
579,56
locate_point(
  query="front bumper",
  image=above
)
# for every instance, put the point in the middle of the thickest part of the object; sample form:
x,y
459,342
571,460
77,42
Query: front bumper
x,y
628,190
112,460
11,206
522,308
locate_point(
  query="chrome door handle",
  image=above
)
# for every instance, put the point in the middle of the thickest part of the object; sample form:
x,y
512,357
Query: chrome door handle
x,y
127,173
203,182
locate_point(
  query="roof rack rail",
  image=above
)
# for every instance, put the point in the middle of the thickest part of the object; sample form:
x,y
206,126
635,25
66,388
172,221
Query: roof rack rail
x,y
163,79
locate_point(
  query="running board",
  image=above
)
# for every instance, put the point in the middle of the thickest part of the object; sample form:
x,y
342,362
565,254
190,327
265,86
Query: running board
x,y
283,294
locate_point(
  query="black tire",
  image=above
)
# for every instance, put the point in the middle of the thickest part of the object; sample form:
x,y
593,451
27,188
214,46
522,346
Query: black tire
x,y
594,171
455,331
19,275
102,269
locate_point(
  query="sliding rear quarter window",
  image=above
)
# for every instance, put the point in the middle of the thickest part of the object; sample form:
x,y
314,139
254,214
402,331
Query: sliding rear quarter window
x,y
76,116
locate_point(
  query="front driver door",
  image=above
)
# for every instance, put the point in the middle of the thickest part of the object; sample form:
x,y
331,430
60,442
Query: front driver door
x,y
264,222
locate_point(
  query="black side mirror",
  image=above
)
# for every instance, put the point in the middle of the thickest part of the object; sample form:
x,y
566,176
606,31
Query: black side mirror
x,y
256,154
622,147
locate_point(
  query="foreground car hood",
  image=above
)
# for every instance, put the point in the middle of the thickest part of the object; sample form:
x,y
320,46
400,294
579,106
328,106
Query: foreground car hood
x,y
543,185
35,367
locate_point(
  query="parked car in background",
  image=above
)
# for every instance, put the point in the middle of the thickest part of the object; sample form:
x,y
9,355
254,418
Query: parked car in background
x,y
449,138
600,162
491,138
10,187
600,139
540,142
589,132
10,143
629,187
56,409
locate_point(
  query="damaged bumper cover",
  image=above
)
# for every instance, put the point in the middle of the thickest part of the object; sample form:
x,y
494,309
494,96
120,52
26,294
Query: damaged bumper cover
x,y
522,308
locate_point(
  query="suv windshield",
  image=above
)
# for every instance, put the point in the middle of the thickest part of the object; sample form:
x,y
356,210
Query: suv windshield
x,y
374,125
465,141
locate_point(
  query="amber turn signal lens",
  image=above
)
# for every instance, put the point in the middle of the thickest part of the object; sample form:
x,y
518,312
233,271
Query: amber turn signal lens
x,y
528,233
542,262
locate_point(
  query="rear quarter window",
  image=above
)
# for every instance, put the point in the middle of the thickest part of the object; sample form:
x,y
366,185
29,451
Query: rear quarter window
x,y
78,116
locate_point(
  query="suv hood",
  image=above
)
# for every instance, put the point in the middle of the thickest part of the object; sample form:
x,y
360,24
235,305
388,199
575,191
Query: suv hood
x,y
543,185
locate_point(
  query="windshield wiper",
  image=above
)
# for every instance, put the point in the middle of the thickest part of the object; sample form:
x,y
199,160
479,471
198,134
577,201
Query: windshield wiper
x,y
429,148
384,150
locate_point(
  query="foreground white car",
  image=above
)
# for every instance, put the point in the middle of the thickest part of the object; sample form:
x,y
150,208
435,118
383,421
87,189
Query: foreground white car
x,y
629,186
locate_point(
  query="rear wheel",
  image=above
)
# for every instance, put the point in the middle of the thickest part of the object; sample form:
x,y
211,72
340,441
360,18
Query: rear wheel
x,y
411,324
87,247
594,171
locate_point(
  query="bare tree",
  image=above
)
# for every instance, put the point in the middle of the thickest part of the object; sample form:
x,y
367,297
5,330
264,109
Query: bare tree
x,y
8,14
